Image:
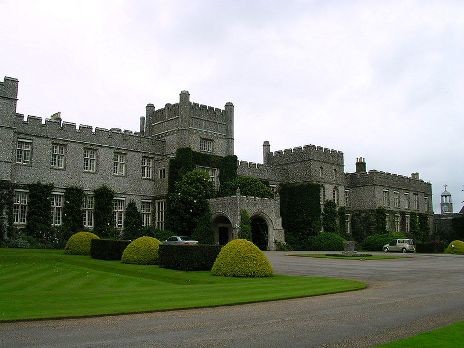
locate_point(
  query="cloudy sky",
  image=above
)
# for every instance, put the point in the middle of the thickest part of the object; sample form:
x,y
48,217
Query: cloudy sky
x,y
378,79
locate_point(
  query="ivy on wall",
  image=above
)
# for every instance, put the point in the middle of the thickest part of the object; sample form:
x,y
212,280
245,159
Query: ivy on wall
x,y
342,221
367,222
6,208
301,212
329,217
187,160
39,215
103,211
72,210
249,186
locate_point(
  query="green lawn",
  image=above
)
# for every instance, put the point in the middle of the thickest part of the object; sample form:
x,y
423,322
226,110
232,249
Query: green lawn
x,y
48,284
345,257
448,336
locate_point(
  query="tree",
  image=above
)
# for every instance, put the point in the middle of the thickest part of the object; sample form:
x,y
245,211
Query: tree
x,y
103,211
39,216
132,222
329,216
189,201
245,225
72,210
203,232
249,186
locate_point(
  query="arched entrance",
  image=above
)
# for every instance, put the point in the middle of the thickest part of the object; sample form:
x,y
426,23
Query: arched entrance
x,y
259,232
222,230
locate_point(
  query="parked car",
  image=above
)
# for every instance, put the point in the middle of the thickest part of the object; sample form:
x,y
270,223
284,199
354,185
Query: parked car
x,y
400,245
180,240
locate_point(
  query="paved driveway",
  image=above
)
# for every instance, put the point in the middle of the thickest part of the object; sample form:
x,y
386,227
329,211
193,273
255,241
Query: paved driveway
x,y
404,297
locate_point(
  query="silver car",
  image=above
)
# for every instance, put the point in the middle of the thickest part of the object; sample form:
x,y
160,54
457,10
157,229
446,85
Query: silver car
x,y
180,240
400,245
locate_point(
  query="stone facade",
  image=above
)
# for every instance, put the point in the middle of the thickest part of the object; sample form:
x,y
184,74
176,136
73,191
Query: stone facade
x,y
395,193
135,164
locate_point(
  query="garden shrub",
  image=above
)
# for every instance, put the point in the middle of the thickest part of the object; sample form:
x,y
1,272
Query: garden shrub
x,y
142,251
328,241
376,242
79,243
455,247
241,258
198,257
108,249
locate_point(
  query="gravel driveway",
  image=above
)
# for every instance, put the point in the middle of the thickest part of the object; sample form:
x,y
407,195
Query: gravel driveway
x,y
404,297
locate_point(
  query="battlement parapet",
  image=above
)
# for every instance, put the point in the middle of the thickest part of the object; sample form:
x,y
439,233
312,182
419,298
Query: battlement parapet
x,y
259,170
381,178
115,137
305,153
9,88
207,112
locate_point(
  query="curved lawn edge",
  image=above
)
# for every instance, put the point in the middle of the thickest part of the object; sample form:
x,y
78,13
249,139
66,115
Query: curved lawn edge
x,y
49,285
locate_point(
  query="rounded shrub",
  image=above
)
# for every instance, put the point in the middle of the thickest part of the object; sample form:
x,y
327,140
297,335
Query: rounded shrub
x,y
241,258
79,243
142,251
455,247
328,241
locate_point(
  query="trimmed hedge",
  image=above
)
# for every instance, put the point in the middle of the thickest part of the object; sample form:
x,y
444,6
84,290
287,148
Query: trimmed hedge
x,y
79,243
430,247
376,242
198,257
142,251
107,249
241,258
328,241
455,247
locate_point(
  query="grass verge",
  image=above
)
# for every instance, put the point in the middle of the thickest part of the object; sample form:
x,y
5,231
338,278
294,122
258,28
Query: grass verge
x,y
38,284
347,257
448,336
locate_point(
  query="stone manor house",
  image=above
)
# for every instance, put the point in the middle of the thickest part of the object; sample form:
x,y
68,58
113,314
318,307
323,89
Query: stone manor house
x,y
135,166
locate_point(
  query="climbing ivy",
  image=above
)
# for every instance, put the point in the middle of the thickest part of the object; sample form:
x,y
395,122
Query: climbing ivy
x,y
6,207
39,215
301,213
72,210
103,211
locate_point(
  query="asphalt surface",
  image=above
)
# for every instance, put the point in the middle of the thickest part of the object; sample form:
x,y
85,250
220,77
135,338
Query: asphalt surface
x,y
404,297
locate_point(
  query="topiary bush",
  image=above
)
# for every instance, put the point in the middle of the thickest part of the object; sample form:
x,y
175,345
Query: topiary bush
x,y
79,243
241,258
455,247
328,241
142,251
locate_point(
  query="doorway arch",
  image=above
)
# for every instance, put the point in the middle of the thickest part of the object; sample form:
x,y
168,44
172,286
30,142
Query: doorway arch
x,y
222,229
260,232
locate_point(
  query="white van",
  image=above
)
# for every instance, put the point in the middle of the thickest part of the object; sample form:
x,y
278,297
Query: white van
x,y
401,245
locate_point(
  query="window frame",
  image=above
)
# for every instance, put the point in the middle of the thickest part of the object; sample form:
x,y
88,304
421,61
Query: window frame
x,y
118,212
88,210
206,145
58,158
92,162
23,160
147,167
119,163
147,217
20,207
160,209
56,207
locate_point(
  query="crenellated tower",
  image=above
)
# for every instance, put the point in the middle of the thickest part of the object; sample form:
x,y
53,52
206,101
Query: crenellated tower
x,y
187,124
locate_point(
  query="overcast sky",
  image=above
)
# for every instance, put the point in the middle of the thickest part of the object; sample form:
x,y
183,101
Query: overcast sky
x,y
378,79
